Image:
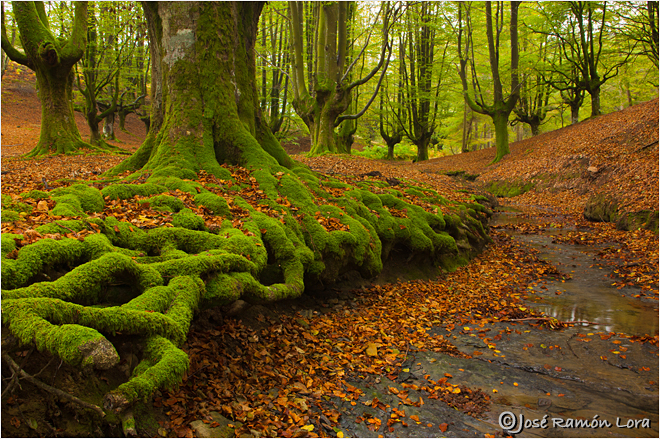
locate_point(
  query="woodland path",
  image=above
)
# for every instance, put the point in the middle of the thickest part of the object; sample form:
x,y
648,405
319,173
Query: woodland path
x,y
329,363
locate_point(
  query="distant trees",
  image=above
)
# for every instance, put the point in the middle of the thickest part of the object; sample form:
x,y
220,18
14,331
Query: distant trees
x,y
502,105
112,67
582,33
324,65
52,59
419,53
274,60
329,66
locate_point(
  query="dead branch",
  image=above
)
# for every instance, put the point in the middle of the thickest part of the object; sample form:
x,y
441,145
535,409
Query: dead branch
x,y
16,369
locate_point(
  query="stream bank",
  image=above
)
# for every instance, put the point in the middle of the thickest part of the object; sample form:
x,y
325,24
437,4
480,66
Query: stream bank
x,y
381,361
597,379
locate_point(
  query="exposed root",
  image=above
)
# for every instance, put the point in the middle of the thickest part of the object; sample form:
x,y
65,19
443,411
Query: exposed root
x,y
274,230
16,369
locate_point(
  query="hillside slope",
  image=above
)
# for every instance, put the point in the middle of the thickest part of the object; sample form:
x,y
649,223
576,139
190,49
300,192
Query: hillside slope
x,y
614,155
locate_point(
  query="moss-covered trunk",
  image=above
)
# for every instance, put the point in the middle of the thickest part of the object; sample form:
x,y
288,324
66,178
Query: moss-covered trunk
x,y
211,117
501,122
59,132
52,59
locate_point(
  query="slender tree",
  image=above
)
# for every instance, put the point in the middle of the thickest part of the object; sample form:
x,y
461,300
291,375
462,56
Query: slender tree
x,y
535,90
52,59
580,29
502,105
322,104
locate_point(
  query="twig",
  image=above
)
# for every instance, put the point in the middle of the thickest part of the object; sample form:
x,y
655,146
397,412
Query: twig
x,y
65,227
547,319
50,389
646,146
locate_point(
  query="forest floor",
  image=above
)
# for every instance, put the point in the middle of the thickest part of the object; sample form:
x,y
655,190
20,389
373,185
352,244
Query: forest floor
x,y
330,363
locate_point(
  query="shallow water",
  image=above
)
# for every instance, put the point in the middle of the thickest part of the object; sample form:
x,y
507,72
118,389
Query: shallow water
x,y
589,295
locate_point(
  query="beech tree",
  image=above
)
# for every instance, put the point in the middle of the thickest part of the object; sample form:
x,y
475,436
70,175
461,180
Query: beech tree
x,y
321,106
418,58
532,107
52,59
584,41
276,229
502,105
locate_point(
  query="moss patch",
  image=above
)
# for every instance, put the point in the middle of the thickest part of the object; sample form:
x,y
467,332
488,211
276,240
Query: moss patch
x,y
508,189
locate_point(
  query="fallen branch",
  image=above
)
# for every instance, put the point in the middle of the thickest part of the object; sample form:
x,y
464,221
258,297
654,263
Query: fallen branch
x,y
647,146
65,227
50,389
547,319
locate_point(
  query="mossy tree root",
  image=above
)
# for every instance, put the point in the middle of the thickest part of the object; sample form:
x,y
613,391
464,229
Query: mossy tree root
x,y
163,367
168,272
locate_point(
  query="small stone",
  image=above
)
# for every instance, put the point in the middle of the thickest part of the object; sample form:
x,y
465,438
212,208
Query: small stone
x,y
592,169
236,307
544,402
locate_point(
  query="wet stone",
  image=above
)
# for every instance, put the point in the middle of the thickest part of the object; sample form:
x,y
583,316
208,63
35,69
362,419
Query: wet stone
x,y
222,430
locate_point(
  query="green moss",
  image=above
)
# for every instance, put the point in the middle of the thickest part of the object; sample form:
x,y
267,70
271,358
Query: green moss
x,y
163,368
462,174
64,227
35,194
67,205
9,216
412,191
16,206
89,198
174,183
9,242
175,172
508,189
188,220
126,191
217,204
166,203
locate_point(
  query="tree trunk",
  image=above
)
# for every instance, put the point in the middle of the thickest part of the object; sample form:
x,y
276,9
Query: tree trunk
x,y
224,125
59,132
423,148
575,112
535,125
501,121
109,127
595,102
52,60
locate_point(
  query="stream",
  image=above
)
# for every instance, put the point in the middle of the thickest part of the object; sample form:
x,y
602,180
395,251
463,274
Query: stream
x,y
582,381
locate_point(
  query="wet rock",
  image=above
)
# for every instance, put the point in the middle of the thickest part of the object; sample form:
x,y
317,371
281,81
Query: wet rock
x,y
222,430
601,208
644,219
236,307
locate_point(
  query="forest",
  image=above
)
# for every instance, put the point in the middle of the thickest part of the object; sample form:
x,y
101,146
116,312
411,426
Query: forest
x,y
287,219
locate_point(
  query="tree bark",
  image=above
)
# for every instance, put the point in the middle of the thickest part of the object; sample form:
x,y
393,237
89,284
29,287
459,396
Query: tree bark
x,y
224,123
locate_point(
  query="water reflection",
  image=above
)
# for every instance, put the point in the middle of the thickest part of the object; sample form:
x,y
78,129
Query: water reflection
x,y
589,295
